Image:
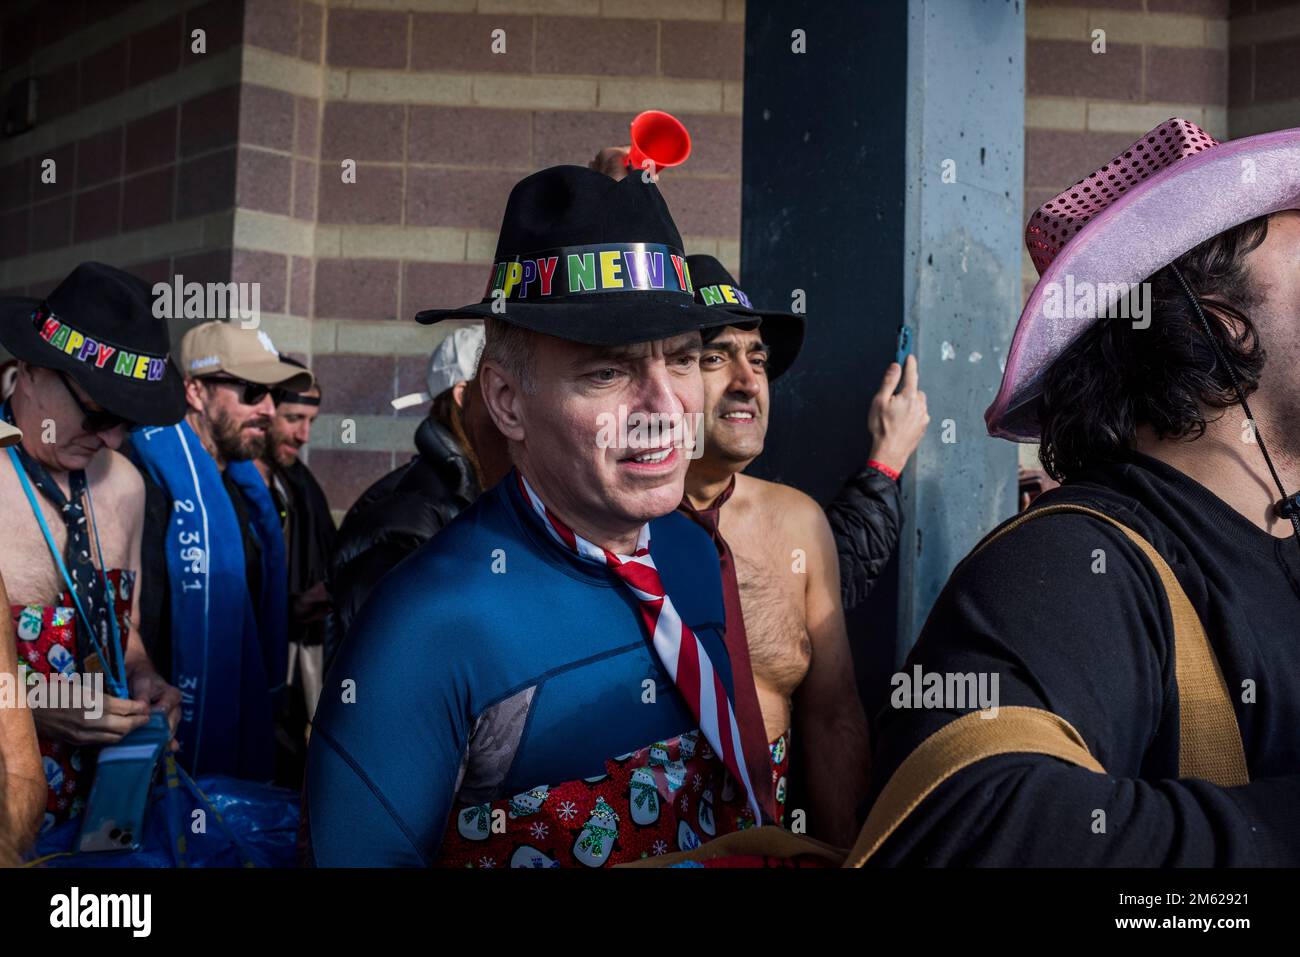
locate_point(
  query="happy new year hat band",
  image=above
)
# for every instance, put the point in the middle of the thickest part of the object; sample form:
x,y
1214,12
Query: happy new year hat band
x,y
568,271
97,326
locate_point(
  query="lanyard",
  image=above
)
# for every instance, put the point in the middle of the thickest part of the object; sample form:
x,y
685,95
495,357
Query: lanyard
x,y
114,671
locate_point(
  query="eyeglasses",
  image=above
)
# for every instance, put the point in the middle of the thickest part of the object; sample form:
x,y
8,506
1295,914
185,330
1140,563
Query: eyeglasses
x,y
253,392
94,420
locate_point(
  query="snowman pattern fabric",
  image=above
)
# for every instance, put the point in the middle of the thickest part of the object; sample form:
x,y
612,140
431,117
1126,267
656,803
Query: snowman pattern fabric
x,y
47,645
671,796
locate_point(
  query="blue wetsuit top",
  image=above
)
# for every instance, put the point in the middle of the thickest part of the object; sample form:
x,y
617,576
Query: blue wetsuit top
x,y
489,662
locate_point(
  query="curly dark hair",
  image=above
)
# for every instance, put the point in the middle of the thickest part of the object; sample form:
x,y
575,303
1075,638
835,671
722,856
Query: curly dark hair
x,y
1114,378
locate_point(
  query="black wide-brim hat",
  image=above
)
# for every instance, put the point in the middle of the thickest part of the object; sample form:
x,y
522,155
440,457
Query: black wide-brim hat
x,y
98,327
589,259
716,289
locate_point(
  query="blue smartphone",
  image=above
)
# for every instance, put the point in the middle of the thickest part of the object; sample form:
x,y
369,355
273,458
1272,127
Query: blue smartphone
x,y
119,797
904,346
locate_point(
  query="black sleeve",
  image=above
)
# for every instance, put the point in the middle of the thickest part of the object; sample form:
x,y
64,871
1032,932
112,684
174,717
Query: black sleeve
x,y
155,594
865,519
1095,649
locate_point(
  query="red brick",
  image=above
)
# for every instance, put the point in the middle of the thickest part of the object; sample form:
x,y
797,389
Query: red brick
x,y
702,49
307,126
269,270
305,186
16,181
703,207
344,475
1218,9
14,233
1241,76
376,196
1070,68
155,51
99,157
206,185
462,42
272,25
1056,158
103,73
442,285
58,92
1187,74
596,45
411,378
1275,70
222,22
310,31
147,199
212,265
51,224
356,288
97,213
151,140
469,136
473,199
355,385
362,131
65,171
1108,4
367,38
210,121
300,274
265,181
154,271
266,117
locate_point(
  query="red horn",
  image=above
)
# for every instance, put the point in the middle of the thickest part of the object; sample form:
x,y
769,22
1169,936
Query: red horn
x,y
659,137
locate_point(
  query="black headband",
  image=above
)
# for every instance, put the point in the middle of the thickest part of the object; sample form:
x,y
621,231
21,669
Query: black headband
x,y
298,398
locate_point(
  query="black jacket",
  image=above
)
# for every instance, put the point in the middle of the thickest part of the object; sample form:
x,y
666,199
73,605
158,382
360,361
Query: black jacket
x,y
865,519
393,518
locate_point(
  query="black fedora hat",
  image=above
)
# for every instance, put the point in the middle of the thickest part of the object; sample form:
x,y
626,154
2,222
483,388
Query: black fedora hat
x,y
590,259
716,289
98,327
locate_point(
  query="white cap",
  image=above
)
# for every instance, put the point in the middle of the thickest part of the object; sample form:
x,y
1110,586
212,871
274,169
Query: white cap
x,y
455,360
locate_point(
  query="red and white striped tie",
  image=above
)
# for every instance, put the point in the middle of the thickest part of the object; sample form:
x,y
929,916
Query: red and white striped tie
x,y
681,653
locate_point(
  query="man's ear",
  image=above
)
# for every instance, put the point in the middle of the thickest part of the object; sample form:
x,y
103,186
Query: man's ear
x,y
458,393
502,395
194,396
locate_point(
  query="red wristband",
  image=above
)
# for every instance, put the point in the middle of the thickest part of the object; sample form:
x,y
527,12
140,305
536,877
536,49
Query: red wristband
x,y
883,469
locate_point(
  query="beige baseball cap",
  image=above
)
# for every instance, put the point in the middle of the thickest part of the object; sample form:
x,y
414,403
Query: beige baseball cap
x,y
248,354
9,435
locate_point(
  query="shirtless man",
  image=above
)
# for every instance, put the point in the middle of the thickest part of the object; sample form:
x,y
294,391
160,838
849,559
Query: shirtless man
x,y
74,412
785,557
22,785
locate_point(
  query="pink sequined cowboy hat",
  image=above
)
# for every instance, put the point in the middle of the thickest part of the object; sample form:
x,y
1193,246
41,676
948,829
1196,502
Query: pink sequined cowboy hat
x,y
1166,194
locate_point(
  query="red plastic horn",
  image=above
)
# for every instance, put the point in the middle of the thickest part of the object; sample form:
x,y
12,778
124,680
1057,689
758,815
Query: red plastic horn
x,y
659,137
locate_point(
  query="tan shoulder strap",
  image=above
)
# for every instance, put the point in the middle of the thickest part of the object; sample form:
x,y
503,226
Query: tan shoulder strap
x,y
957,745
1209,740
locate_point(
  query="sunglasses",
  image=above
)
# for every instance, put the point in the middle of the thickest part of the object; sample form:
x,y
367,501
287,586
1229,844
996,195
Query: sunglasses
x,y
94,420
253,392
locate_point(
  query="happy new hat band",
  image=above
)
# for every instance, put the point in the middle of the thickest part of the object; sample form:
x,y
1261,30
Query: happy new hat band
x,y
590,259
98,327
716,289
1167,193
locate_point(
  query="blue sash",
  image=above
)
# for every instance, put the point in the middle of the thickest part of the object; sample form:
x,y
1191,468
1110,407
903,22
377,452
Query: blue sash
x,y
228,658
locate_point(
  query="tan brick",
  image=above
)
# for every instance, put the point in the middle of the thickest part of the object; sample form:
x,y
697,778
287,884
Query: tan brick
x,y
257,230
402,242
1056,23
666,10
1168,29
733,98
394,338
565,8
1137,118
536,92
735,11
701,96
280,72
1055,113
480,245
1263,27
383,86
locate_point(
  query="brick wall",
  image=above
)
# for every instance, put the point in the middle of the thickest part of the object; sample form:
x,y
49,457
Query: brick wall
x,y
1264,66
226,165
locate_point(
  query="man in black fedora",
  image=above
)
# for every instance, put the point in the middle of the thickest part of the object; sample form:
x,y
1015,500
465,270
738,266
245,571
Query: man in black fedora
x,y
545,682
93,362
